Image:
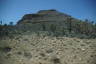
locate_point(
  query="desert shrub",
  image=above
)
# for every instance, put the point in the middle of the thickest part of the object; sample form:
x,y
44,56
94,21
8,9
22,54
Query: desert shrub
x,y
49,51
5,49
3,30
19,53
27,55
42,54
56,60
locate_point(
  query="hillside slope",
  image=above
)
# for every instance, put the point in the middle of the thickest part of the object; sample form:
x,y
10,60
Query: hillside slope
x,y
34,49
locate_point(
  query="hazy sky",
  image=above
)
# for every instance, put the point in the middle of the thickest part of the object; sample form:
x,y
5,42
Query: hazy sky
x,y
13,10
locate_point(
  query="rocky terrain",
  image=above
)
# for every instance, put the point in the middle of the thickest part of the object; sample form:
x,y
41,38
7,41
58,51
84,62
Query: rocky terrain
x,y
34,49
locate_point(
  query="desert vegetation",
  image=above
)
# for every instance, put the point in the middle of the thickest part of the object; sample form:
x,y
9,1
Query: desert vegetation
x,y
80,29
28,49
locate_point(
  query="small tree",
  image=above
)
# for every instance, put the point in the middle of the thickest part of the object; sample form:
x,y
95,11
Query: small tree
x,y
92,22
11,23
1,22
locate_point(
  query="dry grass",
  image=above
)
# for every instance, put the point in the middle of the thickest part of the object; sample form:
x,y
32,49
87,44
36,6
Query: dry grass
x,y
33,49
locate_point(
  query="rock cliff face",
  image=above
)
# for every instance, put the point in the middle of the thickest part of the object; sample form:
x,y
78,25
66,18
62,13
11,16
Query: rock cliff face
x,y
44,18
44,15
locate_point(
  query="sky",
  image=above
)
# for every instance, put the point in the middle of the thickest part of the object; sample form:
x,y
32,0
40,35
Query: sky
x,y
14,10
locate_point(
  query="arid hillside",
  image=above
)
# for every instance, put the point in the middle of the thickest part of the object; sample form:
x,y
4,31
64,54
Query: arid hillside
x,y
48,37
40,49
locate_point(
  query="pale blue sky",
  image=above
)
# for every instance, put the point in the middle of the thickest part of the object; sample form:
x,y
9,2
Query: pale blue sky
x,y
13,10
